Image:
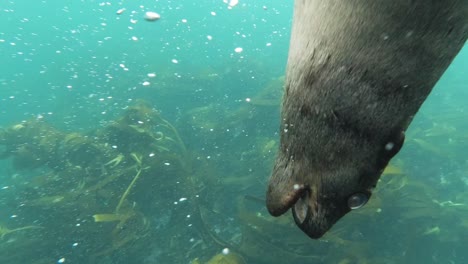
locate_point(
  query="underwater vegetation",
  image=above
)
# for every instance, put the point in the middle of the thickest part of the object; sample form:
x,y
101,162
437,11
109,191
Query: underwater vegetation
x,y
407,217
133,192
93,192
223,258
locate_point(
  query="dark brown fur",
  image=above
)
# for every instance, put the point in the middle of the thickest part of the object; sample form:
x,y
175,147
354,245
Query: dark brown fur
x,y
357,73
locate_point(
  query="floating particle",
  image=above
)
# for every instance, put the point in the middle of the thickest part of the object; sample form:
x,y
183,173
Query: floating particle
x,y
213,13
268,44
175,61
134,38
209,37
238,49
62,260
146,83
151,74
389,146
120,11
233,3
247,100
225,251
182,199
152,16
184,20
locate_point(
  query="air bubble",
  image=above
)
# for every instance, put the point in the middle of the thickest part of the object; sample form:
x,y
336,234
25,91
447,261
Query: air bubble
x,y
389,146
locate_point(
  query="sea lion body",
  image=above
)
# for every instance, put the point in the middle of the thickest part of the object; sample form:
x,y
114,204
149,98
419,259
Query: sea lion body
x,y
357,73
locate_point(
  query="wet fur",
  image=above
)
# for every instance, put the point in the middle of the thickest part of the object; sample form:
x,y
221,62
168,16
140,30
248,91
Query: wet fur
x,y
357,73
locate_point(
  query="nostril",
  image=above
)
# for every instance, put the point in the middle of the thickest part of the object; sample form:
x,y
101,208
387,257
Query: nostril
x,y
301,208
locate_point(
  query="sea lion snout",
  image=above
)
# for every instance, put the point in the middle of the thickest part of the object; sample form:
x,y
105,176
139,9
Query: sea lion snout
x,y
308,216
282,196
315,217
309,220
306,209
319,196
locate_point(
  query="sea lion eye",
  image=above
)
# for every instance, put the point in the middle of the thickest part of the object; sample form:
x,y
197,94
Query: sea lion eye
x,y
357,200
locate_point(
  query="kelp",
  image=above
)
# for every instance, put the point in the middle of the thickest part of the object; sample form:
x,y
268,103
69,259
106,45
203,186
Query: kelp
x,y
5,231
94,186
397,198
131,187
223,258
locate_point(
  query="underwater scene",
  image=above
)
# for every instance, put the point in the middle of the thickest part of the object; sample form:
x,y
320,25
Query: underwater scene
x,y
146,131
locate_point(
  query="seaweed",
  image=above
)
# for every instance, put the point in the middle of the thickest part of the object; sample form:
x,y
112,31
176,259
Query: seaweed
x,y
94,186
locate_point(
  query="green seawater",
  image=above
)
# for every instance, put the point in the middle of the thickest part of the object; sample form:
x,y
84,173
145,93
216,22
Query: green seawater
x,y
124,140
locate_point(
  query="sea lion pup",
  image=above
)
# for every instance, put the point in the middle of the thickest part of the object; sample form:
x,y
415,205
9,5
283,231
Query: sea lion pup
x,y
357,73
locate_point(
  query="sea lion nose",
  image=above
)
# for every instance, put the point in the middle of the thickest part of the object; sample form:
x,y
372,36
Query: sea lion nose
x,y
308,225
313,226
302,209
310,216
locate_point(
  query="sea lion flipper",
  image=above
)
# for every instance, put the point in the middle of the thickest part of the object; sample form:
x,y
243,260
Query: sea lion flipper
x,y
283,191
